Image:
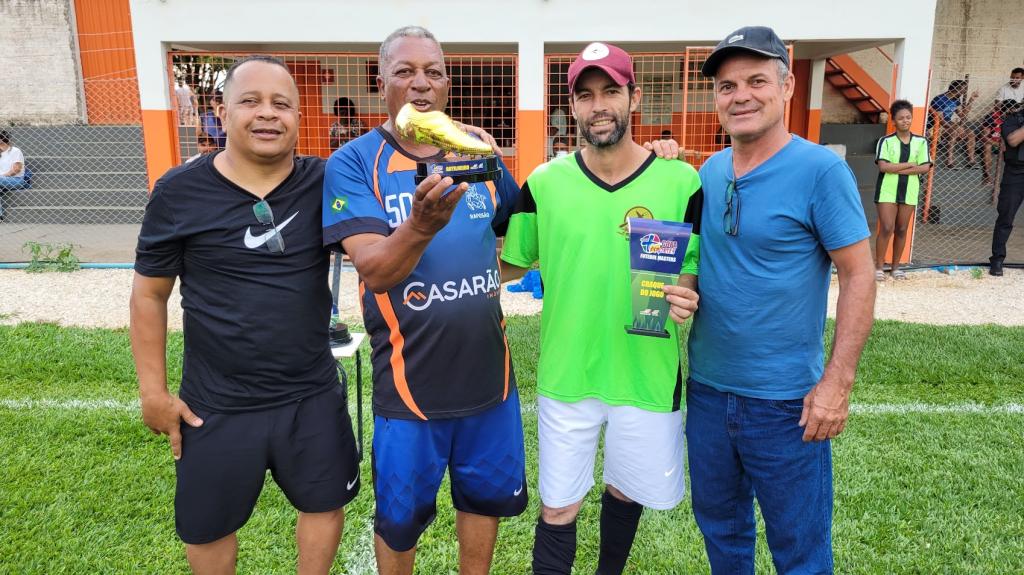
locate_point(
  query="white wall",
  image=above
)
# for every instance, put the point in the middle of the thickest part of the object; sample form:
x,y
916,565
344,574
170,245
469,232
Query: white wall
x,y
526,23
40,76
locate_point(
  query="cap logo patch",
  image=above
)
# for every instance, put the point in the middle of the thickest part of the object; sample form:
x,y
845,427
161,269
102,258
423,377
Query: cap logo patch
x,y
595,51
735,38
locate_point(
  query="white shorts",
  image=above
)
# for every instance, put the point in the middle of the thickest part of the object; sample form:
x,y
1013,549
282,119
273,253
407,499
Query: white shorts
x,y
643,452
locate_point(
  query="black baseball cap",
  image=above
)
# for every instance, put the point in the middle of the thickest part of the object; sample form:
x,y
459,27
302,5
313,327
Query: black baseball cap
x,y
757,39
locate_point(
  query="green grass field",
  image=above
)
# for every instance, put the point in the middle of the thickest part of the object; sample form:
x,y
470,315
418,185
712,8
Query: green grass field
x,y
929,475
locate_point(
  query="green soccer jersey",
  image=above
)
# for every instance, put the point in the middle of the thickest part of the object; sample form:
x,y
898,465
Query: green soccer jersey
x,y
574,224
900,188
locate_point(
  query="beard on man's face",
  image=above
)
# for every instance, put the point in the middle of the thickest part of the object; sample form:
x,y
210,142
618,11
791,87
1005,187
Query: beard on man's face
x,y
607,140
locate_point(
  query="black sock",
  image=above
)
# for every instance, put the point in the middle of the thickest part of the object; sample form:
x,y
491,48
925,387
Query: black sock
x,y
619,520
554,548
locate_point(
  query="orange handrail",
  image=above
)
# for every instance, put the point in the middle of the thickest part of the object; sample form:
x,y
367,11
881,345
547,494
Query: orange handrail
x,y
861,77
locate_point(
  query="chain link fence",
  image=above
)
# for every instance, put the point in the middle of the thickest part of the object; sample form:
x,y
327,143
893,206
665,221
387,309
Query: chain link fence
x,y
957,210
339,98
87,182
677,102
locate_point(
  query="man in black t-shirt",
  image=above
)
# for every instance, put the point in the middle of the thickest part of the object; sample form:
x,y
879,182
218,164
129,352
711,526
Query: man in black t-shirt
x,y
1011,189
259,389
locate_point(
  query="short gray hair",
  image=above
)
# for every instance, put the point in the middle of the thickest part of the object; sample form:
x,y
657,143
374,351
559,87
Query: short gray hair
x,y
783,69
384,56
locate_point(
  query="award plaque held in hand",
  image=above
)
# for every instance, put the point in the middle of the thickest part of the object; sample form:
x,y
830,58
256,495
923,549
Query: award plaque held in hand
x,y
656,252
437,129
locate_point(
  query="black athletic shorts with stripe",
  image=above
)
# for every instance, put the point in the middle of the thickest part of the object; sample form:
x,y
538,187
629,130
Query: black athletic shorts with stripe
x,y
307,445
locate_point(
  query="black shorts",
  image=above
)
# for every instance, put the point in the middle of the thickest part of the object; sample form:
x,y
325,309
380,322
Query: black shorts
x,y
308,446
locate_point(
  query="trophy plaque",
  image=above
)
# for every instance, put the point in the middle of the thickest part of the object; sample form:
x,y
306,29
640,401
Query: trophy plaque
x,y
656,251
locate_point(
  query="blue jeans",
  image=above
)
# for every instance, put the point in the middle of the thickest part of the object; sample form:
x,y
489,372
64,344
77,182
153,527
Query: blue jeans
x,y
7,184
740,446
11,183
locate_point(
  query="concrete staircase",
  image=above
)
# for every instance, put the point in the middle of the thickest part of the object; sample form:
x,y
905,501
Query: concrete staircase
x,y
857,86
81,175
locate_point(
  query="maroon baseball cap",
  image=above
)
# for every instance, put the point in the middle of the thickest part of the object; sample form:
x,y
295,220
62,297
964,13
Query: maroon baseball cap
x,y
613,60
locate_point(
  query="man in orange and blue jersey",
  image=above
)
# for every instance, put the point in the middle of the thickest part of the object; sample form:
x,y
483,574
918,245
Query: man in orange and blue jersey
x,y
444,394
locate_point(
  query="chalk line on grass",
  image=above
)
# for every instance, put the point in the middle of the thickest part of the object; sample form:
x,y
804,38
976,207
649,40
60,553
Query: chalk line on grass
x,y
69,404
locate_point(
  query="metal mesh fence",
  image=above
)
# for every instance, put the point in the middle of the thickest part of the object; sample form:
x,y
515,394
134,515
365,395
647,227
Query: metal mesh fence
x,y
339,98
87,182
677,102
957,210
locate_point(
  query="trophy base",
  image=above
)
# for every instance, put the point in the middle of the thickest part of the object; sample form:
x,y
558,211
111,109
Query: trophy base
x,y
650,333
486,169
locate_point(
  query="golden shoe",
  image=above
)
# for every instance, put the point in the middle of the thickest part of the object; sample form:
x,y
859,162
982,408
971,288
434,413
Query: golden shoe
x,y
437,129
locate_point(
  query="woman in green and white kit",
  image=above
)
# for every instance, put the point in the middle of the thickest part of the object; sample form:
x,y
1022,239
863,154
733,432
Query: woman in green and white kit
x,y
901,157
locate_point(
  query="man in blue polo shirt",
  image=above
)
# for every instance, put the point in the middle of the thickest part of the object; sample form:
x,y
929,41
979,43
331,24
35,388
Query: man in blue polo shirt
x,y
761,404
444,394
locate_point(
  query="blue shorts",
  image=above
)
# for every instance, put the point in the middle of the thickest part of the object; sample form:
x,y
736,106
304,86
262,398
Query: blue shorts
x,y
484,454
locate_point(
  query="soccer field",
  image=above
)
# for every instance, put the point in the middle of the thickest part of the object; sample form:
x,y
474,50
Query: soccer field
x,y
929,474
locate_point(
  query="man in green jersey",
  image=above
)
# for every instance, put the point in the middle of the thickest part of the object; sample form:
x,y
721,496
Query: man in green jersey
x,y
571,217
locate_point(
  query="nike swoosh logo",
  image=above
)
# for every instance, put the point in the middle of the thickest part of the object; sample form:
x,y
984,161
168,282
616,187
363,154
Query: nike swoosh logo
x,y
670,471
351,484
517,491
252,242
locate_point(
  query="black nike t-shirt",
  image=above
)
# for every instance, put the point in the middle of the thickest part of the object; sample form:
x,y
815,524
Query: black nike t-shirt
x,y
255,322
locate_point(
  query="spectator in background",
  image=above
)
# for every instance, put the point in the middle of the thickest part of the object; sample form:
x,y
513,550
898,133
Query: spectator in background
x,y
210,124
348,126
1012,90
206,145
187,103
901,157
560,147
953,113
12,168
992,139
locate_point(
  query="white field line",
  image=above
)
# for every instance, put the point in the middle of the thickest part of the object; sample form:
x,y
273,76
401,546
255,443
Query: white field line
x,y
931,408
359,559
69,404
855,409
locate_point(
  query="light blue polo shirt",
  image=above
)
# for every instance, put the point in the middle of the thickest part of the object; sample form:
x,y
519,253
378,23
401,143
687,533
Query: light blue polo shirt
x,y
758,331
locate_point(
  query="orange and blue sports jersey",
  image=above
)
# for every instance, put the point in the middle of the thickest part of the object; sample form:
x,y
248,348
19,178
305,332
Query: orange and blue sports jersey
x,y
438,337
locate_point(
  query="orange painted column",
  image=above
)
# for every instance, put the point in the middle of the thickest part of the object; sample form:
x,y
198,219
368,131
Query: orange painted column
x,y
800,103
531,142
917,125
814,125
107,54
160,136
